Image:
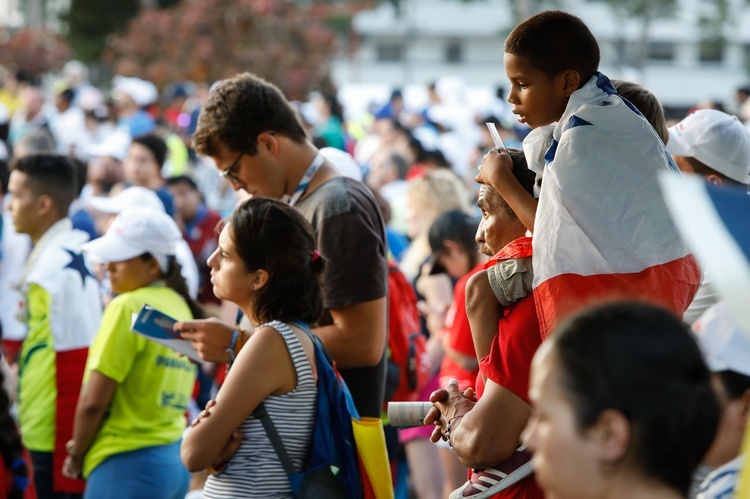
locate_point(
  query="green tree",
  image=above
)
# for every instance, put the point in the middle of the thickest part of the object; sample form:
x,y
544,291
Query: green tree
x,y
207,40
33,51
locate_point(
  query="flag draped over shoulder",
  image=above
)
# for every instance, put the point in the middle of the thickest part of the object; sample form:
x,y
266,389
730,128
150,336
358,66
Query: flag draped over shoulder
x,y
602,230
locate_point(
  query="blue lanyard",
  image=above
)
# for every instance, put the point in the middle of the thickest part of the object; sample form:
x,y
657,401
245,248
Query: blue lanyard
x,y
304,182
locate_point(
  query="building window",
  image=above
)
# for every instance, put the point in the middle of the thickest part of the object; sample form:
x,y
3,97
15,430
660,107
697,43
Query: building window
x,y
390,52
712,50
454,52
661,51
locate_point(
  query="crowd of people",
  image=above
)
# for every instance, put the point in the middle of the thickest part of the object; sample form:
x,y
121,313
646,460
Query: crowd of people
x,y
573,347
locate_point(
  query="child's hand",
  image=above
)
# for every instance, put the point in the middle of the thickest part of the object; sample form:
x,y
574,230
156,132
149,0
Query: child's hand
x,y
495,164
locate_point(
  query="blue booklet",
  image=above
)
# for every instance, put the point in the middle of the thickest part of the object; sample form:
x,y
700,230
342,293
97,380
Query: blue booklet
x,y
158,326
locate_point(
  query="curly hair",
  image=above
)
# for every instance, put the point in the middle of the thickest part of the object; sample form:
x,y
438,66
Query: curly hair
x,y
555,41
241,108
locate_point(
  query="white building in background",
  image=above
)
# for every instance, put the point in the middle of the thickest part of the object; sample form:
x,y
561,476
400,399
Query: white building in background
x,y
431,39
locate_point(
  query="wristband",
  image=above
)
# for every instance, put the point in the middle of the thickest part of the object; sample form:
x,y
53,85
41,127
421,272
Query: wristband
x,y
451,422
232,345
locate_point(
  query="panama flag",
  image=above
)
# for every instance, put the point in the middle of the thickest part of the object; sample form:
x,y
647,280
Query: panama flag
x,y
602,229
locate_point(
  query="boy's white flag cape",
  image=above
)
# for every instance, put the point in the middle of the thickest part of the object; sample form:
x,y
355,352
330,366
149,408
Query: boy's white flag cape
x,y
602,230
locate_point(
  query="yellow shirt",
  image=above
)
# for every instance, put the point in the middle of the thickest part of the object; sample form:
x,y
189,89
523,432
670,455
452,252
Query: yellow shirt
x,y
154,384
37,389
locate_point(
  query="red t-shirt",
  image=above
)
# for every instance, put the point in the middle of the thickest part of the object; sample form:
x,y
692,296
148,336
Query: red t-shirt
x,y
202,238
459,336
509,361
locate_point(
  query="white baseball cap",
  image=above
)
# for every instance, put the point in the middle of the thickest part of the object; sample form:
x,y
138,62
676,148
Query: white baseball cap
x,y
725,345
141,91
134,232
716,139
132,197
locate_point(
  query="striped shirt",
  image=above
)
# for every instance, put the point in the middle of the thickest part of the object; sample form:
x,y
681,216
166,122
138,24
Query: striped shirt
x,y
255,471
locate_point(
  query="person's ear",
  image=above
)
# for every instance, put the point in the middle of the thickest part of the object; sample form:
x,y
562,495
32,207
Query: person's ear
x,y
612,435
715,180
570,81
45,204
259,279
154,269
745,401
269,142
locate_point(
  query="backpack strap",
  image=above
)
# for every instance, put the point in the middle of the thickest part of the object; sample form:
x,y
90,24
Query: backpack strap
x,y
261,414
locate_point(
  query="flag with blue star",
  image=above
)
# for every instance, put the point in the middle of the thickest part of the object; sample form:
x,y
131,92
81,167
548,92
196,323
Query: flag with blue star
x,y
78,264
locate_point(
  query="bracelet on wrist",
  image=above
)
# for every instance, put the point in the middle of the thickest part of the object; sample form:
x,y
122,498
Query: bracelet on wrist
x,y
451,422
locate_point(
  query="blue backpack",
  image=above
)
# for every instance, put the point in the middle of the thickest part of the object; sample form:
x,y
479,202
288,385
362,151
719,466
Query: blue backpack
x,y
332,467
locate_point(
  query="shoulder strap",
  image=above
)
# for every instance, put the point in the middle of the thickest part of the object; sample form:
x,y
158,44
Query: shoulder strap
x,y
261,414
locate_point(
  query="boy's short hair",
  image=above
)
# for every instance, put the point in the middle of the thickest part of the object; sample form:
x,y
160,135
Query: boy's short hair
x,y
241,108
49,175
555,41
646,103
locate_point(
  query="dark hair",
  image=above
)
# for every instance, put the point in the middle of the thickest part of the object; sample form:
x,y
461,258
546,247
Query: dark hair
x,y
49,175
646,103
521,171
183,179
641,361
241,108
334,106
174,280
4,177
67,95
555,41
11,448
273,236
735,384
457,226
155,144
703,169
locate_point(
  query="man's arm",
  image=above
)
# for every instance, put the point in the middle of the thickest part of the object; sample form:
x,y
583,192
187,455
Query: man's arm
x,y
491,431
358,334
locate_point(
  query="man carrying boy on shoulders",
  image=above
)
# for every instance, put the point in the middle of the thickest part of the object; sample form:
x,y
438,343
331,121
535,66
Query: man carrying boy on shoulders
x,y
601,228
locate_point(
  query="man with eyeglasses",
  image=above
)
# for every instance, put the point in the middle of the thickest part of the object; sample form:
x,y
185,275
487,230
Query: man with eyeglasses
x,y
254,137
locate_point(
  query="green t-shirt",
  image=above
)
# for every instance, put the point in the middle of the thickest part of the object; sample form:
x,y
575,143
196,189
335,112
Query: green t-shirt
x,y
37,388
154,384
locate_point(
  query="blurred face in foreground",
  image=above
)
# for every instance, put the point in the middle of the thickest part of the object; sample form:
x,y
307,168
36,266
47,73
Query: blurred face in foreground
x,y
566,462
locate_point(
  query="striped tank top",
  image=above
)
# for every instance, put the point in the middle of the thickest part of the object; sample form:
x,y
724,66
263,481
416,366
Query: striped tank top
x,y
255,471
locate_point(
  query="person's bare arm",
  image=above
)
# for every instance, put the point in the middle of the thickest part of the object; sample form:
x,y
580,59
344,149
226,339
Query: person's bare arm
x,y
358,334
491,431
483,311
210,338
263,366
92,405
496,171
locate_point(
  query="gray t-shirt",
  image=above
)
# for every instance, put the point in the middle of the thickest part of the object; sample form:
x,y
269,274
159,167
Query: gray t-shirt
x,y
350,233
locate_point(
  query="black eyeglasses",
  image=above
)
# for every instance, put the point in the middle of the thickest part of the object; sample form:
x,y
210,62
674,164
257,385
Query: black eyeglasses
x,y
229,172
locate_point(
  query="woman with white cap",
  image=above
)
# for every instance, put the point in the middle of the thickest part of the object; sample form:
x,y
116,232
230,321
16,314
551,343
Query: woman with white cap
x,y
131,413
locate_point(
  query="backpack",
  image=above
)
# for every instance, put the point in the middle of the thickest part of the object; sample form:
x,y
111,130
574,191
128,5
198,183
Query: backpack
x,y
332,469
408,363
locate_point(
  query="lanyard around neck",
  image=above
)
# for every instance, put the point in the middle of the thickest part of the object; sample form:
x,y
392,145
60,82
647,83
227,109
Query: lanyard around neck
x,y
304,182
